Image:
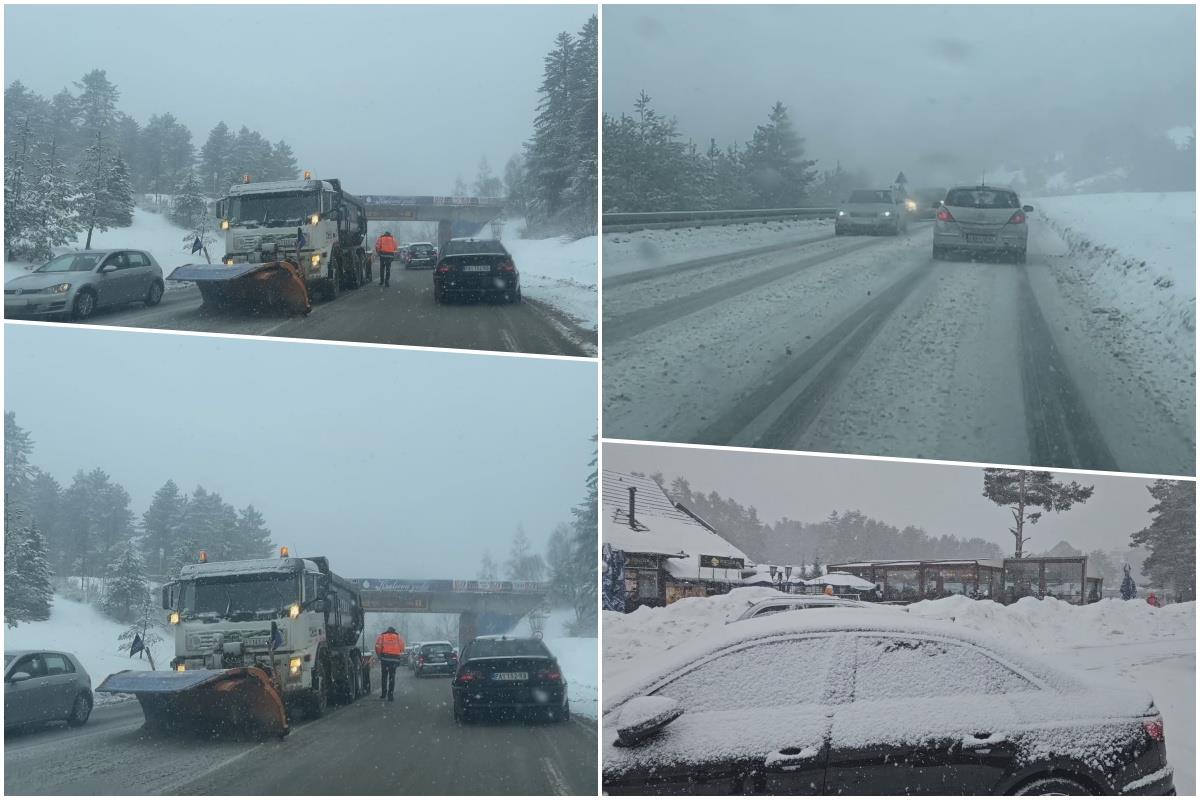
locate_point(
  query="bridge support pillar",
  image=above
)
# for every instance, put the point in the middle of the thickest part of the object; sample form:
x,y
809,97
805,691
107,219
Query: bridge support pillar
x,y
444,234
468,625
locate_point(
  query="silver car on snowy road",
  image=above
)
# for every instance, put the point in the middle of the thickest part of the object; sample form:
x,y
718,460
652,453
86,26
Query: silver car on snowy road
x,y
74,285
981,219
45,686
872,211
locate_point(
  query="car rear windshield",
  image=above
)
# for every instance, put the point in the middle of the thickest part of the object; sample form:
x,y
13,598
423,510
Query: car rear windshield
x,y
500,648
437,648
982,198
72,262
421,249
454,248
870,196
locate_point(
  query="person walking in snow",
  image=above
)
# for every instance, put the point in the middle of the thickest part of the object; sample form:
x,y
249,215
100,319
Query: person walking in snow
x,y
389,646
385,247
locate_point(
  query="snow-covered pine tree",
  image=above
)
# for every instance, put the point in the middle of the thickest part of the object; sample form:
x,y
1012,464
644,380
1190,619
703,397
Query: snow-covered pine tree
x,y
253,536
145,624
126,587
560,567
118,193
190,208
523,563
92,179
584,547
486,184
548,155
775,159
28,592
1171,538
283,162
579,196
215,172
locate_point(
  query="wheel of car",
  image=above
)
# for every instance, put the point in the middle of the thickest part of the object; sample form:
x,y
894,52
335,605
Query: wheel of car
x,y
81,709
563,714
85,304
154,294
1053,785
515,297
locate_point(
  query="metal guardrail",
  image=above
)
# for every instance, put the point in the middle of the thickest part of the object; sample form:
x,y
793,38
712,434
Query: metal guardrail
x,y
621,222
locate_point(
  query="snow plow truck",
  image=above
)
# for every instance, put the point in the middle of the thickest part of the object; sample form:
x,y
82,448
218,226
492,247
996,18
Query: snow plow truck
x,y
254,640
284,242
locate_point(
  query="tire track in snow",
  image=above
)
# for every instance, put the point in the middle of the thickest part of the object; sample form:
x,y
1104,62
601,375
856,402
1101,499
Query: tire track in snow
x,y
1059,425
624,326
808,379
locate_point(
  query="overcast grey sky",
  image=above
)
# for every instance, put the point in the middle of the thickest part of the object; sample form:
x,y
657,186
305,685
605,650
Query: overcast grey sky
x,y
938,91
940,499
394,463
391,99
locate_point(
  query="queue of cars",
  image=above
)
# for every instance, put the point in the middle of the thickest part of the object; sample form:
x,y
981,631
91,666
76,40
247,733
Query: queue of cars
x,y
870,701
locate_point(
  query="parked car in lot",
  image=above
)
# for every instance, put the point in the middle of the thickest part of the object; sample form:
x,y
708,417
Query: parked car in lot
x,y
987,220
45,686
798,602
74,285
872,702
420,254
871,211
476,268
509,674
435,657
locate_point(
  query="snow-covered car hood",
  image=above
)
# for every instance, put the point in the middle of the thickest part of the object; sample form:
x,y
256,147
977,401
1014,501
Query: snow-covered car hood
x,y
40,280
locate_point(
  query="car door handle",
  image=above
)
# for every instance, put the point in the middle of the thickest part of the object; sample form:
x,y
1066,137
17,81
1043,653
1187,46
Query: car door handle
x,y
789,759
982,741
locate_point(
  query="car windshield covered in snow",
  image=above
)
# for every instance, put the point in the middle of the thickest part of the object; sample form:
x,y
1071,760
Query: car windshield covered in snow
x,y
982,198
457,247
870,196
502,648
273,209
71,262
239,596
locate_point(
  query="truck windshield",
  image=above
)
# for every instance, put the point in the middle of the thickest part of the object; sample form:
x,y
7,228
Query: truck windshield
x,y
245,596
273,210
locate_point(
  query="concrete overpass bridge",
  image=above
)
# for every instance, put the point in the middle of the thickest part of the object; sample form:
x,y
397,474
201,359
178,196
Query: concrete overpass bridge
x,y
455,216
483,607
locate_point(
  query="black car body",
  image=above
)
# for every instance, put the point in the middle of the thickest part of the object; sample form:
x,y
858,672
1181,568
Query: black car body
x,y
868,702
476,268
435,657
509,674
420,254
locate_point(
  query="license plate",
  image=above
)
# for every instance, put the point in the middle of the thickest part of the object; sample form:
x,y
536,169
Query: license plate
x,y
510,676
476,268
980,238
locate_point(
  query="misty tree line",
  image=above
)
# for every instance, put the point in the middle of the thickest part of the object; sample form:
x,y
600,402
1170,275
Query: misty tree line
x,y
74,162
1164,550
553,183
86,531
568,565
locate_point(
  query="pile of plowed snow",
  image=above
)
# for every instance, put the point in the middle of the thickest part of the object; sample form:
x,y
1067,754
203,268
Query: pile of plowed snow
x,y
577,658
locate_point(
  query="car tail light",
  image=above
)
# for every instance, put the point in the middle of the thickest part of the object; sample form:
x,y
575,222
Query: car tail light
x,y
420,659
1017,218
944,215
1154,729
507,266
443,267
550,675
468,677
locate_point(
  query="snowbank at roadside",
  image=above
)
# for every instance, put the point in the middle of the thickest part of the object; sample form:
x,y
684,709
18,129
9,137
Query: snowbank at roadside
x,y
577,657
560,271
81,629
651,249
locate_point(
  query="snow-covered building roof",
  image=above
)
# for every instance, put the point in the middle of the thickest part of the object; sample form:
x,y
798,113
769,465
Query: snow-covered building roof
x,y
662,527
843,579
909,562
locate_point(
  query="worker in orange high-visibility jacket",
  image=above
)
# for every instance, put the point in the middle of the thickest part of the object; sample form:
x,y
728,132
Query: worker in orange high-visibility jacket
x,y
385,247
389,646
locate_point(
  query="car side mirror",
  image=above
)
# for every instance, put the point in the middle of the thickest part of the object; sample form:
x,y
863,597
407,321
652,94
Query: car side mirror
x,y
107,268
17,677
643,717
1027,209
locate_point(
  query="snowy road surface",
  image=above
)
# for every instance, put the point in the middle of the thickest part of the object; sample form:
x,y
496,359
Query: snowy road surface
x,y
404,313
408,747
864,344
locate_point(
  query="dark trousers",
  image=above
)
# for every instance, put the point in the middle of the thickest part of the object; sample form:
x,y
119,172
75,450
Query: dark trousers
x,y
387,682
385,270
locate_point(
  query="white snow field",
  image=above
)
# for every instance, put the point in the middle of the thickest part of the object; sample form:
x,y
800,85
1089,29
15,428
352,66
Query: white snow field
x,y
559,271
1115,642
81,629
577,657
652,249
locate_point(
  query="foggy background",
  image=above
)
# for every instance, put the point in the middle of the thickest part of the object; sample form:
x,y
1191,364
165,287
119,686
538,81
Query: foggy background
x,y
940,92
421,95
940,499
394,463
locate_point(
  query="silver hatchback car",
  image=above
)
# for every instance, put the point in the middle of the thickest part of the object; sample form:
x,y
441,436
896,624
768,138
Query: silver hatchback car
x,y
74,285
871,210
981,219
45,686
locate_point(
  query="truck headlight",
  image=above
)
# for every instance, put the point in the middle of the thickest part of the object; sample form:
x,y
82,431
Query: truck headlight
x,y
224,224
314,219
294,610
294,665
316,259
173,618
180,667
229,262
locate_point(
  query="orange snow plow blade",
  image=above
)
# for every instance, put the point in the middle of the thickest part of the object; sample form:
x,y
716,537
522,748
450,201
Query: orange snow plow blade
x,y
273,284
205,700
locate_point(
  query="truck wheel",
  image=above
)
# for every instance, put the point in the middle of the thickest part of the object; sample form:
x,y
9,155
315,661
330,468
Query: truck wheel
x,y
318,702
333,280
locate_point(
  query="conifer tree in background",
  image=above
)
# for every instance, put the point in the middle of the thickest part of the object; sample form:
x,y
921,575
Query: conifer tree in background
x,y
190,208
560,567
119,193
584,546
253,538
1028,494
126,588
523,563
161,524
774,160
514,187
486,184
1171,538
487,567
283,162
27,589
215,158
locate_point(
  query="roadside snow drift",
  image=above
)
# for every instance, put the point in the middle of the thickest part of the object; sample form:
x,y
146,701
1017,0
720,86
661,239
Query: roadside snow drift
x,y
560,272
577,657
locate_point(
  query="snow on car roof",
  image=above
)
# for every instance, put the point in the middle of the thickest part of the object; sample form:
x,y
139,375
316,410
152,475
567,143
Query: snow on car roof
x,y
215,569
661,527
883,619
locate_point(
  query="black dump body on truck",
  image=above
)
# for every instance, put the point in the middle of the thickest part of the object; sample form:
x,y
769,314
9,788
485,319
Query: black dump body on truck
x,y
343,616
